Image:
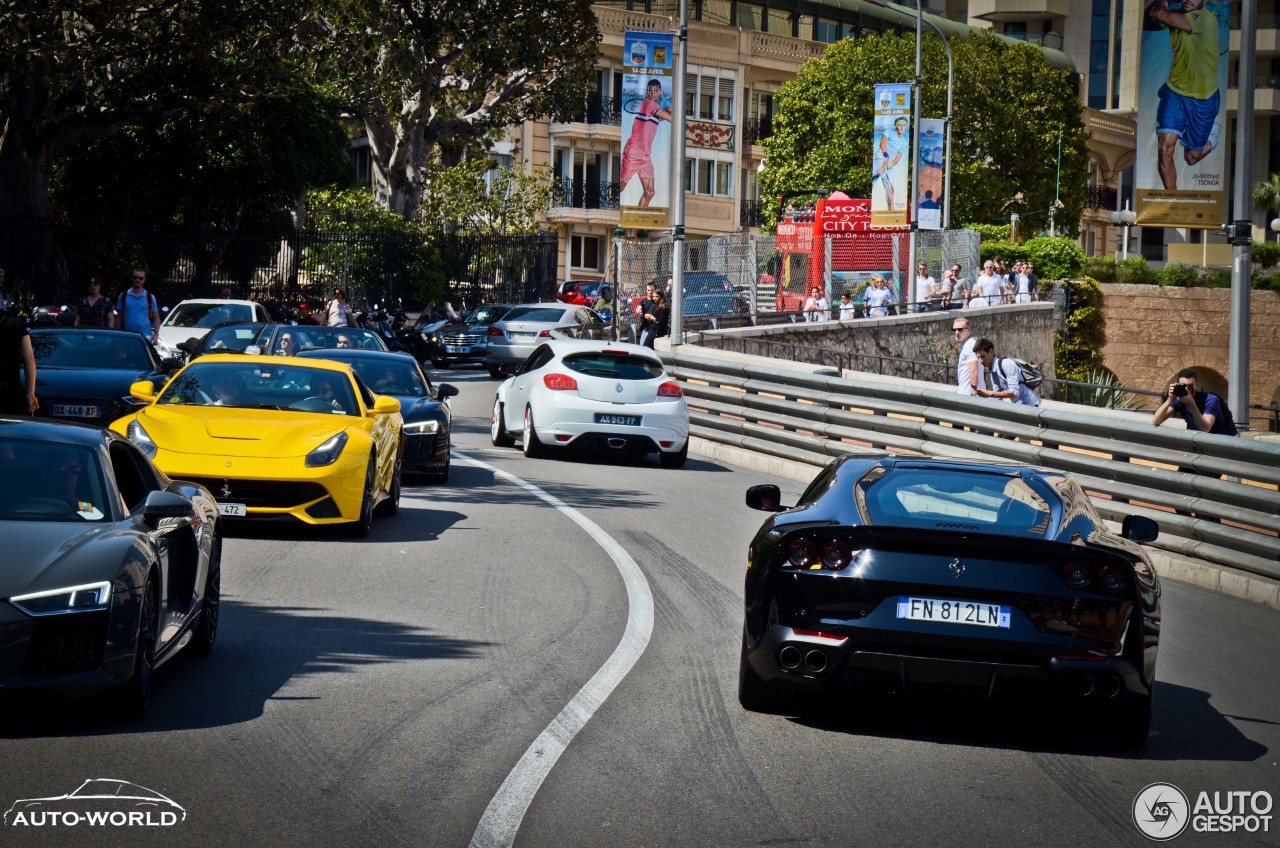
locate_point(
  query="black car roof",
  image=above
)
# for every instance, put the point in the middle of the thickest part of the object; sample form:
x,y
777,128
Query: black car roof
x,y
44,430
67,331
354,353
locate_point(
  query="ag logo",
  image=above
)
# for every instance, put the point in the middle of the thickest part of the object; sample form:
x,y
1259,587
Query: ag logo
x,y
1161,811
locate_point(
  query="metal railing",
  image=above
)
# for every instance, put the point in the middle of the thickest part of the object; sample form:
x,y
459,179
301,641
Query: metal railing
x,y
752,213
1215,497
754,130
581,194
597,110
1100,197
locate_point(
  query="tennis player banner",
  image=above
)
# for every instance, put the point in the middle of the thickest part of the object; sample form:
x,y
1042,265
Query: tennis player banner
x,y
1179,178
645,179
932,136
891,155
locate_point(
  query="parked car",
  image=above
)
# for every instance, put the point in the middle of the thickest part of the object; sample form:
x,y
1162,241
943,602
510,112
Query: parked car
x,y
84,375
111,568
706,294
191,319
231,337
910,575
601,396
286,339
464,342
579,292
425,408
513,338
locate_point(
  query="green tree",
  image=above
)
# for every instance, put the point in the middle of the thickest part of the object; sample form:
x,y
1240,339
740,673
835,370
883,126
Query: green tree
x,y
446,75
1010,105
72,71
510,203
1266,196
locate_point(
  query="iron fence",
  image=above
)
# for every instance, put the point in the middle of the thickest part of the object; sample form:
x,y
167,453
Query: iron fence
x,y
584,194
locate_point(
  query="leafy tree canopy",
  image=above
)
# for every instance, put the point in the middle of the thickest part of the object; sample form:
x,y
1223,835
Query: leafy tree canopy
x,y
508,203
1010,105
445,75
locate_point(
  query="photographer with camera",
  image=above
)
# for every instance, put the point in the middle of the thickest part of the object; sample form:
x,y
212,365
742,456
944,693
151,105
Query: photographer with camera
x,y
1203,411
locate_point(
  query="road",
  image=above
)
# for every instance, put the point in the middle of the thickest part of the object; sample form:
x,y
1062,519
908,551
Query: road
x,y
380,691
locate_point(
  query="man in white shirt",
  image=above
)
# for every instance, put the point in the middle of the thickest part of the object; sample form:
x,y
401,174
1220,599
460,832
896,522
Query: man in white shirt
x,y
1025,284
926,287
986,292
1006,376
968,372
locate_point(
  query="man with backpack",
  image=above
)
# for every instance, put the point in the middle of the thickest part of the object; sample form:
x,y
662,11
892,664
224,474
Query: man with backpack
x,y
1203,411
1008,381
137,308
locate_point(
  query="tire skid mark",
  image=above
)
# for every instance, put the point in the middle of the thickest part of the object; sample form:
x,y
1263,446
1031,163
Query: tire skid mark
x,y
1082,783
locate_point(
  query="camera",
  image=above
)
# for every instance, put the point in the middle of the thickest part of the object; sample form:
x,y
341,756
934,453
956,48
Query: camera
x,y
1179,390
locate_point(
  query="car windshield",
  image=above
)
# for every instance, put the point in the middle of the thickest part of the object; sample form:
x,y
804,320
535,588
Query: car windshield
x,y
615,366
589,289
254,386
947,499
233,339
706,284
293,339
208,314
85,349
385,377
485,315
537,314
48,481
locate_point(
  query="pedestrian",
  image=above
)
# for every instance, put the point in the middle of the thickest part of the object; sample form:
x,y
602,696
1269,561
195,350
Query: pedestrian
x,y
1203,411
967,366
137,308
926,288
988,289
1006,377
816,307
878,298
656,319
95,309
962,289
337,312
1027,288
847,310
17,363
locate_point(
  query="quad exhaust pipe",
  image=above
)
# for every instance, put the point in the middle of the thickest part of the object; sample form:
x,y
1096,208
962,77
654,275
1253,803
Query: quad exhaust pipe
x,y
792,658
1085,685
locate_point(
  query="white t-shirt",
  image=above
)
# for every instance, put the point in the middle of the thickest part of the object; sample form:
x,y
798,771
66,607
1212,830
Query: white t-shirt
x,y
847,311
823,309
1023,288
967,355
337,314
926,288
877,301
987,291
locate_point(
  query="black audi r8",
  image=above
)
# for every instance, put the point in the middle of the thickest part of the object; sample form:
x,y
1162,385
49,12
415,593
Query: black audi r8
x,y
84,375
109,570
424,407
909,575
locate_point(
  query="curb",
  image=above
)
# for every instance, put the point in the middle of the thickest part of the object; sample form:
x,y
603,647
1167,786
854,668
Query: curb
x,y
1168,565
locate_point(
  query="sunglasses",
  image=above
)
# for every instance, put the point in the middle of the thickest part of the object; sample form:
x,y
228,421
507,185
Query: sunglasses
x,y
958,329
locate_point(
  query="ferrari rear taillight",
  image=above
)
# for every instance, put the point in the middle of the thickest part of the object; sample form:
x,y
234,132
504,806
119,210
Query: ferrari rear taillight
x,y
560,383
1110,577
1077,574
494,331
802,553
819,553
835,554
670,389
545,334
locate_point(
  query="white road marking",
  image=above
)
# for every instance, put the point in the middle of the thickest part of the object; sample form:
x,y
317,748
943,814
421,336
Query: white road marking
x,y
501,819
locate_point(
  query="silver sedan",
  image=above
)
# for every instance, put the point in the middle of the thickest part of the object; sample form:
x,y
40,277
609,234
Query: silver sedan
x,y
512,339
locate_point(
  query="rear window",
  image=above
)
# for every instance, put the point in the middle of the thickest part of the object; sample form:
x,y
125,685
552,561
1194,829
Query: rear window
x,y
615,366
537,314
952,500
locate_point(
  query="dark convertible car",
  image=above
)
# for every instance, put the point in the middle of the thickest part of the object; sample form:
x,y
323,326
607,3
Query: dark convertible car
x,y
911,575
109,567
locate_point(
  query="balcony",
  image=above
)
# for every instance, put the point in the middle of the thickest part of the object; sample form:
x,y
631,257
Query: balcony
x,y
754,130
597,110
751,213
1266,95
1100,197
1019,10
1267,44
583,202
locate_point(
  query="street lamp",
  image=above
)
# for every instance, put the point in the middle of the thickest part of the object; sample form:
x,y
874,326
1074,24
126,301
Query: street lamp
x,y
1275,227
1126,218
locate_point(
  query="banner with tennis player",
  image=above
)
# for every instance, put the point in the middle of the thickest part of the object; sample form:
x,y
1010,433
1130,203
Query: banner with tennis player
x,y
645,180
891,155
932,135
1179,175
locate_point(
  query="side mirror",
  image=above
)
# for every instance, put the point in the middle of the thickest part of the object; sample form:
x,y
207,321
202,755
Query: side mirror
x,y
163,504
384,405
1139,528
767,497
446,390
143,390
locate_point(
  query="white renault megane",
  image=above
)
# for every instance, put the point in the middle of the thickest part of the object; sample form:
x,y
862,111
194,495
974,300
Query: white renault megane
x,y
601,396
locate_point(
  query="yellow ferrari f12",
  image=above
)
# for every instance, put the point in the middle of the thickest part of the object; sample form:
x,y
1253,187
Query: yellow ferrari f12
x,y
275,437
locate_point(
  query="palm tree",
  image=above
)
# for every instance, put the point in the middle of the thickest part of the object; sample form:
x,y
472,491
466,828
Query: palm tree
x,y
1266,196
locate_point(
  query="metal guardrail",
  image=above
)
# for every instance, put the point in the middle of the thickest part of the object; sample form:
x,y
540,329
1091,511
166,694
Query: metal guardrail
x,y
1216,497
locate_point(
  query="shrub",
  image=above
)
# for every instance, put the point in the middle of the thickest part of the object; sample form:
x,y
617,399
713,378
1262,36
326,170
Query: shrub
x,y
1101,268
1136,270
1266,254
1055,258
1078,347
1005,249
1216,280
1104,391
1176,274
990,232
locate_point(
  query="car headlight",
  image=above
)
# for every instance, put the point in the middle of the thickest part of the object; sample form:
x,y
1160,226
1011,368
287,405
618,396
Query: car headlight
x,y
139,437
87,598
328,453
419,427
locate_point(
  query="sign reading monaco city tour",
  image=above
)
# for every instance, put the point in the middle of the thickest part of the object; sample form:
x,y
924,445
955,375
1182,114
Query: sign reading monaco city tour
x,y
1182,102
645,180
891,156
932,133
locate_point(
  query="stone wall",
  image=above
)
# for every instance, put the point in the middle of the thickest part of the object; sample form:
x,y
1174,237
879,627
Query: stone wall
x,y
1153,331
873,344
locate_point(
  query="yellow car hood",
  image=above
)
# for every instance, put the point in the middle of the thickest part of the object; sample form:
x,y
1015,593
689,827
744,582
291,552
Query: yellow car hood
x,y
240,432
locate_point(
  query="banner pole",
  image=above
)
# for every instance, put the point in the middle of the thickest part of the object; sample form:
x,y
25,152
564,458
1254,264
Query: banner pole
x,y
1242,226
677,180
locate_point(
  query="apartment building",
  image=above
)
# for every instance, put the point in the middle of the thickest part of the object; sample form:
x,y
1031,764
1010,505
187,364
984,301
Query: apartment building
x,y
1102,38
